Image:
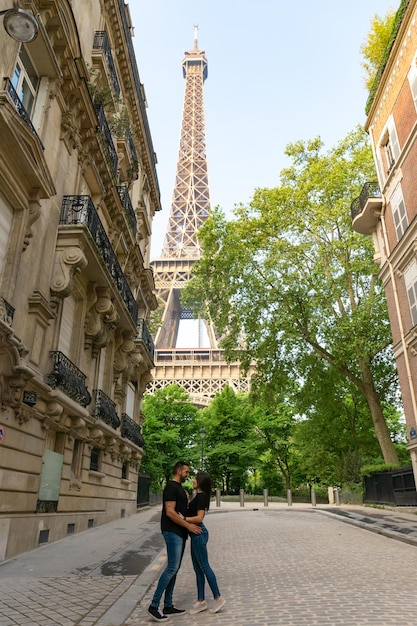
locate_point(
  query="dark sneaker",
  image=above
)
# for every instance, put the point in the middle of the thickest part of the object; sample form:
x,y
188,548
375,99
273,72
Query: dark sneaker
x,y
156,614
172,610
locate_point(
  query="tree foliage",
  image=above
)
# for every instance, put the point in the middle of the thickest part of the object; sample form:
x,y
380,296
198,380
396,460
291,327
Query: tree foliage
x,y
375,44
170,431
289,284
229,443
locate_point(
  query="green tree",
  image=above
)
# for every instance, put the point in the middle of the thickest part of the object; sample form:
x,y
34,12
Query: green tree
x,y
375,45
169,432
288,283
335,436
229,443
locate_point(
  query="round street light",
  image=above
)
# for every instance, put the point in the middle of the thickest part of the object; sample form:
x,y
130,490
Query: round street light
x,y
202,435
20,25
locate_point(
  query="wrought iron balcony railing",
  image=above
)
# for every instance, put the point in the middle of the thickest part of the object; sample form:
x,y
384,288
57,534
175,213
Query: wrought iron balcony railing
x,y
81,210
101,42
127,204
6,311
105,409
20,108
138,86
369,190
130,430
107,136
67,377
145,335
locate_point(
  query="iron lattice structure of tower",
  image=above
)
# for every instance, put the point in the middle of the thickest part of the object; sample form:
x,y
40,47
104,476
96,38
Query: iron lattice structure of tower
x,y
201,371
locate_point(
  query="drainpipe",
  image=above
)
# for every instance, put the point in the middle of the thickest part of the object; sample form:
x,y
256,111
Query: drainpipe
x,y
401,328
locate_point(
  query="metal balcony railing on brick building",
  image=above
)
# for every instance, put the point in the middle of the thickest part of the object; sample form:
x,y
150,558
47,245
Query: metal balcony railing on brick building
x,y
365,209
67,377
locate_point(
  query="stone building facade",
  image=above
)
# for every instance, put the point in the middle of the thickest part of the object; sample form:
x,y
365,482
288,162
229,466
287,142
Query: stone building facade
x,y
78,192
387,207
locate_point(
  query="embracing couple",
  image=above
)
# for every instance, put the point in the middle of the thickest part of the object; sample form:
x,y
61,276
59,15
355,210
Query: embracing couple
x,y
180,518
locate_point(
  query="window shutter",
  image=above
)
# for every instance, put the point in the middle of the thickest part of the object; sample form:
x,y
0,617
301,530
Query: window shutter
x,y
67,322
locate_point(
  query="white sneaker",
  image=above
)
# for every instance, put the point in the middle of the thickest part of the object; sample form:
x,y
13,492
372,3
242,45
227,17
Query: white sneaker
x,y
217,605
198,608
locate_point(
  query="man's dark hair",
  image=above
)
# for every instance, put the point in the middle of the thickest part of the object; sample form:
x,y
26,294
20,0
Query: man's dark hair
x,y
179,465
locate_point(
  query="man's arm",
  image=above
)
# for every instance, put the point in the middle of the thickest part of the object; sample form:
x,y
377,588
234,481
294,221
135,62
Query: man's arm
x,y
178,519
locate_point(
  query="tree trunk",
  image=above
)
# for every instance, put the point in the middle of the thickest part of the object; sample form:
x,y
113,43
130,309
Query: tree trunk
x,y
381,429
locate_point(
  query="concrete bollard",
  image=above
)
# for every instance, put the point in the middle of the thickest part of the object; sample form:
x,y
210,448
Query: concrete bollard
x,y
337,496
289,497
217,497
242,497
313,497
265,497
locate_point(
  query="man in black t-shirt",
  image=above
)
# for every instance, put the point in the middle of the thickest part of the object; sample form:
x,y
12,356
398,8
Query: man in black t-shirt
x,y
175,531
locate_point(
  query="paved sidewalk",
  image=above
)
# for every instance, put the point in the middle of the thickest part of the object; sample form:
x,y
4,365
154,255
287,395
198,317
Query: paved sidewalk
x,y
276,565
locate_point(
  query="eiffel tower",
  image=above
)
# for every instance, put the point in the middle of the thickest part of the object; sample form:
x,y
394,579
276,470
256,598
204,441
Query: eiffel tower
x,y
201,371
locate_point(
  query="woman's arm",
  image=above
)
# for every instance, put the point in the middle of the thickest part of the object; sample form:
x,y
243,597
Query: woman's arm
x,y
180,519
196,519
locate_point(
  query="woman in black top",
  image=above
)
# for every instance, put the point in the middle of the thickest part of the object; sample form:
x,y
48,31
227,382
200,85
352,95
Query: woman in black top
x,y
195,515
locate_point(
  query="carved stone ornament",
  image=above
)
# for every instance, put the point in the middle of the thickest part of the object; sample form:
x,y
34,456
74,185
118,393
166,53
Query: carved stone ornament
x,y
101,318
33,214
124,347
67,262
14,372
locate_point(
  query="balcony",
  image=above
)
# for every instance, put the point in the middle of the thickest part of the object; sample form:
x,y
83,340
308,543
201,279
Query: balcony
x,y
145,336
105,409
107,137
127,205
68,378
102,43
130,430
366,209
23,168
80,210
20,108
139,91
6,311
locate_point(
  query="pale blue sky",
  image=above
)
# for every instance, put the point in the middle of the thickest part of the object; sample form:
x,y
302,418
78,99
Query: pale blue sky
x,y
277,72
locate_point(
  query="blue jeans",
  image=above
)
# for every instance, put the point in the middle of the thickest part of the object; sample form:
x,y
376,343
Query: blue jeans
x,y
201,565
175,549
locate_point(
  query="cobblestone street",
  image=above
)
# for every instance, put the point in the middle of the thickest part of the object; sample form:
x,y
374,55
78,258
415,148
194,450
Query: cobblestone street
x,y
275,565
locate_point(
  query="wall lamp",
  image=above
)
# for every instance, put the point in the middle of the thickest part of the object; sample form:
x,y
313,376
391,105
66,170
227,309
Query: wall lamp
x,y
20,25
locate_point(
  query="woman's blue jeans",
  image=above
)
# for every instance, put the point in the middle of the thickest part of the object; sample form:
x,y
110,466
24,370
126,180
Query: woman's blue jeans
x,y
175,550
201,565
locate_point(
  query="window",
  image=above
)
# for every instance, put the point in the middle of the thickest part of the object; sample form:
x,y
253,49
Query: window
x,y
410,277
125,470
76,462
95,460
25,81
389,146
399,212
130,399
6,219
412,79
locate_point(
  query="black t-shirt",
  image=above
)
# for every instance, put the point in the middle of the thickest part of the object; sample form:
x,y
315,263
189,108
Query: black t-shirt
x,y
198,503
174,492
